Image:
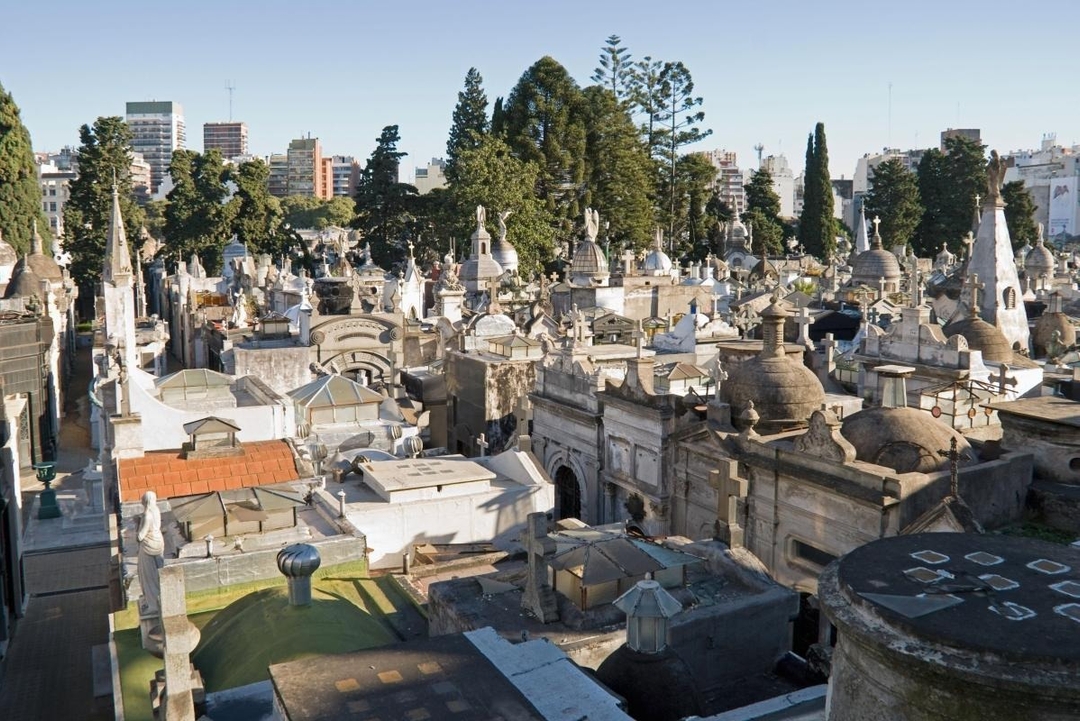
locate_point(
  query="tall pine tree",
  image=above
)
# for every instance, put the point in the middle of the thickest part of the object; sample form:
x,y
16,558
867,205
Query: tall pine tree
x,y
817,224
470,120
616,70
679,117
104,158
894,197
382,203
620,173
545,125
763,214
20,194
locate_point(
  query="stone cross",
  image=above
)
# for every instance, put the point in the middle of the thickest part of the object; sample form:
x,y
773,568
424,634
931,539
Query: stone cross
x,y
830,353
746,319
639,339
554,277
482,442
872,316
969,242
1003,379
539,598
804,321
877,222
953,454
729,489
719,376
914,288
493,296
975,286
881,287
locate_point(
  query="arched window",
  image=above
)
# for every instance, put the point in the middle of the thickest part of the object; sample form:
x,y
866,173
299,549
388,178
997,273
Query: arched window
x,y
567,494
1009,297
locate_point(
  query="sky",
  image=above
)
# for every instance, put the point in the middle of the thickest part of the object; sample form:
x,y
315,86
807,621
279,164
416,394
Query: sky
x,y
341,71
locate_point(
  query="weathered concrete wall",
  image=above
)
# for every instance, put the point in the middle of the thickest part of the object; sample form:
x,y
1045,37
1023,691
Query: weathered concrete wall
x,y
283,369
209,573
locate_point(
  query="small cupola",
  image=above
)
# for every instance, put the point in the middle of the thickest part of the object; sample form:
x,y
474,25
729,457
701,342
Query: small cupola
x,y
211,437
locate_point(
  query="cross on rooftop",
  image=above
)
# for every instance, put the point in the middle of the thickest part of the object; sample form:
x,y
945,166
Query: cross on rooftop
x,y
639,338
729,489
804,321
482,442
975,286
969,242
1003,379
877,222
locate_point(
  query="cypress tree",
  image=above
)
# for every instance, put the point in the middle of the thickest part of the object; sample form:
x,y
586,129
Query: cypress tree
x,y
811,208
20,193
817,226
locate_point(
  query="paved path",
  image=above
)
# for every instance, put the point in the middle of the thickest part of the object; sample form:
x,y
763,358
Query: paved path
x,y
48,671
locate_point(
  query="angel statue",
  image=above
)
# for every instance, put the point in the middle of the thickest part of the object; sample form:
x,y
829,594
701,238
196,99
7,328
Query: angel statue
x,y
502,223
995,174
592,224
481,216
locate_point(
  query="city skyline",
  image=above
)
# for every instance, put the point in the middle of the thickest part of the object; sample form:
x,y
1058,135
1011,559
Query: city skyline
x,y
951,67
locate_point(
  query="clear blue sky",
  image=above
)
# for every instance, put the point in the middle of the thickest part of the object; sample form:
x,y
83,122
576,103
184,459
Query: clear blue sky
x,y
343,70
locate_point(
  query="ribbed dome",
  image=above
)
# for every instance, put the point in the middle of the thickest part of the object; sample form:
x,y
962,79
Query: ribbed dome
x,y
657,260
782,389
45,267
8,256
874,264
982,336
906,440
589,259
763,269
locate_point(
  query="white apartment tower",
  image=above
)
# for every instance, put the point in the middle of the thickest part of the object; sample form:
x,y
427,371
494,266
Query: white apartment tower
x,y
157,129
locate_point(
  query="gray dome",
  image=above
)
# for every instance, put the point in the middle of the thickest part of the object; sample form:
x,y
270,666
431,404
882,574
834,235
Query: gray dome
x,y
908,440
1044,332
656,686
872,265
982,336
1040,260
657,260
24,281
504,254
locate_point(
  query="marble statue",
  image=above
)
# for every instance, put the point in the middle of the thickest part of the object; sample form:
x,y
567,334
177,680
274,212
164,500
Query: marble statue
x,y
502,223
481,216
151,550
592,224
995,174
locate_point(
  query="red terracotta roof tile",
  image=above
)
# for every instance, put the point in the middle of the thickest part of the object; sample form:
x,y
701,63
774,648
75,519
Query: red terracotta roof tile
x,y
169,475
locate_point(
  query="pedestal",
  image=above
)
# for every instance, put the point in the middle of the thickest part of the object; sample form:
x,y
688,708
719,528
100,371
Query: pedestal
x,y
48,507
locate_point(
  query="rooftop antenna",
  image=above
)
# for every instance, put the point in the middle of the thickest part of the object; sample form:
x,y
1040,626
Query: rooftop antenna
x,y
230,87
759,148
888,129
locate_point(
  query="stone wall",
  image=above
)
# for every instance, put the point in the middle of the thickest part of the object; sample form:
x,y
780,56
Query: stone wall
x,y
283,368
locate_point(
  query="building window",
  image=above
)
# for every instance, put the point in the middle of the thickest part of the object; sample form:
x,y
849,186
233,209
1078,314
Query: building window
x,y
1009,296
811,554
52,207
52,191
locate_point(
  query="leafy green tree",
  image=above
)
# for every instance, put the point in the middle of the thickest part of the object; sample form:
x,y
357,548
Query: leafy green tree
x,y
717,213
198,219
470,120
1019,214
817,224
104,159
257,217
948,184
544,125
490,175
338,211
616,70
679,116
498,119
894,197
301,211
382,203
619,171
155,218
20,194
763,214
688,226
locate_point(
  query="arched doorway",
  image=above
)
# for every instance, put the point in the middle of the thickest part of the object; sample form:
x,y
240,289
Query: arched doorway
x,y
567,494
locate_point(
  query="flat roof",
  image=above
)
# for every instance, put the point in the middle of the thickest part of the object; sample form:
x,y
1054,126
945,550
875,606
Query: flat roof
x,y
411,473
432,678
1045,408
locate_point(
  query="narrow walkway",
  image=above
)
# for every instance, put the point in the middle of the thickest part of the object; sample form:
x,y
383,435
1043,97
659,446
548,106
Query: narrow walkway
x,y
48,672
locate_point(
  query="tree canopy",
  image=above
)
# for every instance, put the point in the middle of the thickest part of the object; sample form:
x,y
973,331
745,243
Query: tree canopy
x,y
948,184
104,158
817,224
470,121
257,215
763,213
382,203
894,197
544,125
1019,214
20,193
198,219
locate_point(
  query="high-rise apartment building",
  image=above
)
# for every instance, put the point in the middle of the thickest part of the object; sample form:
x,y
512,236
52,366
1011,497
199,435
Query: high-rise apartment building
x,y
304,167
431,177
157,129
278,181
729,180
345,173
231,139
972,134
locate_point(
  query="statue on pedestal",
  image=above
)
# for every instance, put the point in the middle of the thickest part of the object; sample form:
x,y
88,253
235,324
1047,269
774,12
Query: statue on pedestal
x,y
151,550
